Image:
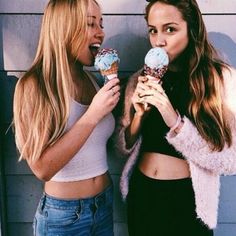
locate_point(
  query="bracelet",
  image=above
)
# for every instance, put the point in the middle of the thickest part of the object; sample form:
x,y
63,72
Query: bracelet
x,y
176,125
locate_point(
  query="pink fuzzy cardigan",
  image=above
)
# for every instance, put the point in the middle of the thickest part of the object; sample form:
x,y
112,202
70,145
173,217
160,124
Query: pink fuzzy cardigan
x,y
205,166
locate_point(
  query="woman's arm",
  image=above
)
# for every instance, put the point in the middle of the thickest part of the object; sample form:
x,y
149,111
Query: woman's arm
x,y
195,148
189,142
61,152
128,133
132,131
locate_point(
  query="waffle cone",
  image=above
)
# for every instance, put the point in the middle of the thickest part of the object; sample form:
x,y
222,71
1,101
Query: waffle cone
x,y
112,70
157,73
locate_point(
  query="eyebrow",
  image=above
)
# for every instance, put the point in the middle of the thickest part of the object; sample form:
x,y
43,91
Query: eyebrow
x,y
171,23
94,17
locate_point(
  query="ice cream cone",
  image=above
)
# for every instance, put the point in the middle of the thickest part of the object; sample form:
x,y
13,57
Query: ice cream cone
x,y
107,61
156,65
155,73
110,73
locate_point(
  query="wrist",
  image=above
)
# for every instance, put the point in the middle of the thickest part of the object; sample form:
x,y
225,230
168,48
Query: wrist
x,y
90,118
138,114
178,128
178,125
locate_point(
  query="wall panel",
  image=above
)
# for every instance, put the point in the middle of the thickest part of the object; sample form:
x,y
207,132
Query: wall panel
x,y
20,37
115,7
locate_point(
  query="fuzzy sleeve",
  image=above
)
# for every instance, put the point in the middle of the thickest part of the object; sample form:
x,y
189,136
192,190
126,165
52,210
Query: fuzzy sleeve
x,y
121,143
125,120
195,148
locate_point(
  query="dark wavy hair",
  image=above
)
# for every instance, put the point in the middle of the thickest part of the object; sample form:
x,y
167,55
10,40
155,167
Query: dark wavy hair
x,y
205,77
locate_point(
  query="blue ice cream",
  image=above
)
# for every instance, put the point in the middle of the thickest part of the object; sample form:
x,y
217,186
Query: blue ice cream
x,y
156,58
156,62
105,59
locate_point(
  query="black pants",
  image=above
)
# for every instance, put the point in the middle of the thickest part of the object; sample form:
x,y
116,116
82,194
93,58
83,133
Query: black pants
x,y
163,208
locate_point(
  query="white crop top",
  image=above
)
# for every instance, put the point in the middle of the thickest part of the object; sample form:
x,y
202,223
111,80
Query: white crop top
x,y
91,159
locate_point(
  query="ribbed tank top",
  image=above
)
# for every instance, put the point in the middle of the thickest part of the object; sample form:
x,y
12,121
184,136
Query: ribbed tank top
x,y
91,159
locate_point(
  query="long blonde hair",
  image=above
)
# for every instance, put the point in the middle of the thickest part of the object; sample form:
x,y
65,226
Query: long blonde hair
x,y
205,77
42,96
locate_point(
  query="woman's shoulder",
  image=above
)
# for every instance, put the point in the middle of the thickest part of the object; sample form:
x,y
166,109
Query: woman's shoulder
x,y
135,75
133,80
229,74
229,78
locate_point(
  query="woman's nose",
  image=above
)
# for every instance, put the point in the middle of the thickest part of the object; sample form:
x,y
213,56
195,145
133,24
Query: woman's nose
x,y
100,33
160,41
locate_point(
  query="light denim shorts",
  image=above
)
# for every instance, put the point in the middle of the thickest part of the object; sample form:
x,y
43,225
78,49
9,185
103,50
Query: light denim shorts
x,y
82,217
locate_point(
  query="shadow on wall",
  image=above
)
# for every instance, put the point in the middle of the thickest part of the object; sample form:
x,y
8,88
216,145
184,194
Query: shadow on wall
x,y
225,46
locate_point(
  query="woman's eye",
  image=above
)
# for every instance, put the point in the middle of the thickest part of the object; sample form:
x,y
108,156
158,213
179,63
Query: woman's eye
x,y
170,30
152,31
91,24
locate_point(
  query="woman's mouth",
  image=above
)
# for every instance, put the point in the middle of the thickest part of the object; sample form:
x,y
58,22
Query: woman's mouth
x,y
94,48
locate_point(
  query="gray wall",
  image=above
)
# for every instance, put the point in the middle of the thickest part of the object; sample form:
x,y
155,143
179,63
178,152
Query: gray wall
x,y
125,30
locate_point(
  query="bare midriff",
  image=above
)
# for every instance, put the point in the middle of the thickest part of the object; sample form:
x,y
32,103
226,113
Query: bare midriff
x,y
161,166
78,189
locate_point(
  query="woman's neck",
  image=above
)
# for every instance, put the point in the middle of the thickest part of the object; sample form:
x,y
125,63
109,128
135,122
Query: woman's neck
x,y
181,63
77,71
178,65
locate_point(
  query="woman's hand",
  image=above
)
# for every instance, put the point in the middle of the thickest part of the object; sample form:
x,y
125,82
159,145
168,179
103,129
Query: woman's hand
x,y
141,87
156,96
105,100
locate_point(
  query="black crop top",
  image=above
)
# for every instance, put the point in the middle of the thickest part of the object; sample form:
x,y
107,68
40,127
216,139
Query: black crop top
x,y
154,128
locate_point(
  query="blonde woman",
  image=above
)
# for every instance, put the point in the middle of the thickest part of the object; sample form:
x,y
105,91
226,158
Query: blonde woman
x,y
63,121
186,139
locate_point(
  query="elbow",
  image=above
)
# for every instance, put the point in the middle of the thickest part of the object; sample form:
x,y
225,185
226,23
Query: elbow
x,y
43,176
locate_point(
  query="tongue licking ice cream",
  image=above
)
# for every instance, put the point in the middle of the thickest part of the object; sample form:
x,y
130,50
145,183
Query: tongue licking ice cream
x,y
107,62
156,65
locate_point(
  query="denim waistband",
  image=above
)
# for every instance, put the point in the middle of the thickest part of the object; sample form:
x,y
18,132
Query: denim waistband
x,y
99,199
